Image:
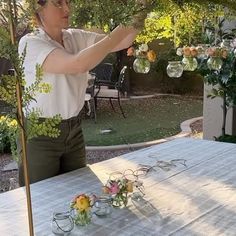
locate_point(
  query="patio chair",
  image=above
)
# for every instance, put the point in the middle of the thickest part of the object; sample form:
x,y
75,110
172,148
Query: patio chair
x,y
89,97
107,89
101,73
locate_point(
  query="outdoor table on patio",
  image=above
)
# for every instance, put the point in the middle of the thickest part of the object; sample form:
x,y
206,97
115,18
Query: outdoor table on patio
x,y
197,199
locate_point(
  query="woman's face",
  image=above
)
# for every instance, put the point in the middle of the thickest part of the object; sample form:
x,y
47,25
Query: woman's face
x,y
55,14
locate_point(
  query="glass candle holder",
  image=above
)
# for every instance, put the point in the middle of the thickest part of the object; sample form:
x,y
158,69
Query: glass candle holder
x,y
103,206
174,69
82,218
141,65
62,223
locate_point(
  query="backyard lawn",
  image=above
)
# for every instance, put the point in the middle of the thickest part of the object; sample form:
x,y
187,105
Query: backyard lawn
x,y
146,119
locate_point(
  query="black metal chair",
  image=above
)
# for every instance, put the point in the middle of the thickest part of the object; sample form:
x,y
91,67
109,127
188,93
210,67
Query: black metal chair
x,y
105,88
103,73
90,109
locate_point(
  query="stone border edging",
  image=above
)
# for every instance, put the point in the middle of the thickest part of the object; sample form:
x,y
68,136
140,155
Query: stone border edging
x,y
185,132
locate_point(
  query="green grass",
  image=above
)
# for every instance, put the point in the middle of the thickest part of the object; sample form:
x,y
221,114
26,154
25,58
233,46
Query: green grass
x,y
147,119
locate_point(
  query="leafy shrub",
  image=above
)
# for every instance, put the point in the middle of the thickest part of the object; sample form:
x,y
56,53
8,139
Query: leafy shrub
x,y
226,138
8,134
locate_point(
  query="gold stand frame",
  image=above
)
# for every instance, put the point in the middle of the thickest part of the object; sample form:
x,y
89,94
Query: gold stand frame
x,y
12,12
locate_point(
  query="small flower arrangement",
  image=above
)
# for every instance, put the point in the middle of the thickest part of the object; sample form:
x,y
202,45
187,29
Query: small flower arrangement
x,y
144,56
82,205
118,189
189,57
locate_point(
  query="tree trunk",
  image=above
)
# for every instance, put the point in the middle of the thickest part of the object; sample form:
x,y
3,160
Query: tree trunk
x,y
224,107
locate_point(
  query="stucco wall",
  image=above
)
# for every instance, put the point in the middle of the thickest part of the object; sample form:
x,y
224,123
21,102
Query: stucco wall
x,y
213,116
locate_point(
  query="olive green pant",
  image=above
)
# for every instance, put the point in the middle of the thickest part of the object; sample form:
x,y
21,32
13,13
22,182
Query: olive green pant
x,y
48,157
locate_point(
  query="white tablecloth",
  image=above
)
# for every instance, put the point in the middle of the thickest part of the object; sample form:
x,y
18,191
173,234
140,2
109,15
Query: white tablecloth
x,y
199,199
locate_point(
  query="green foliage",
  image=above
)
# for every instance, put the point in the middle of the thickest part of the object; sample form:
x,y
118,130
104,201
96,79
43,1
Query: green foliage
x,y
105,13
224,79
226,138
180,21
8,133
38,127
223,83
182,25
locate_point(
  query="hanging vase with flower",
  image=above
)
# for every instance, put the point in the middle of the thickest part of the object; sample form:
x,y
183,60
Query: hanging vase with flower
x,y
214,63
215,57
144,57
189,63
141,65
189,60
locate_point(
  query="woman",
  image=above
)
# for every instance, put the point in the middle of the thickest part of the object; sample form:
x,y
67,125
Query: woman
x,y
65,56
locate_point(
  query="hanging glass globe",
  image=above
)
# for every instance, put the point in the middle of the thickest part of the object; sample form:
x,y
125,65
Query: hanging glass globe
x,y
214,63
189,63
174,69
141,65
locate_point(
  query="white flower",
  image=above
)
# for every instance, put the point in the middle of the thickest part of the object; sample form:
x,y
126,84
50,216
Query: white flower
x,y
179,51
138,52
143,47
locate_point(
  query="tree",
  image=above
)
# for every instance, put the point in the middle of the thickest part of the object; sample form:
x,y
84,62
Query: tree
x,y
223,81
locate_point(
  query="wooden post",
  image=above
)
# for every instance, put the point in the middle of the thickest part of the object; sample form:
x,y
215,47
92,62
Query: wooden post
x,y
11,6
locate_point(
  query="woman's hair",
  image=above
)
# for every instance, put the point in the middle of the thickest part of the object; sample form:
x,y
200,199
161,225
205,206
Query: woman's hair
x,y
36,21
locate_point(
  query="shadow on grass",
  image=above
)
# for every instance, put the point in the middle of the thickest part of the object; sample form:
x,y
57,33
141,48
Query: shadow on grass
x,y
146,119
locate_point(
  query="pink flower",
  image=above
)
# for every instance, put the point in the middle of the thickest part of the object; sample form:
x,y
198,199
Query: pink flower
x,y
130,51
187,51
114,188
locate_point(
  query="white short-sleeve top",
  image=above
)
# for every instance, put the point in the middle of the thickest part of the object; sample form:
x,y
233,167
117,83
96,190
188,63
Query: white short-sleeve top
x,y
68,90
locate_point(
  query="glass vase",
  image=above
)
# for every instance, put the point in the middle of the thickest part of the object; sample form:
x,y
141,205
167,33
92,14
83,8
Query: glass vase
x,y
82,218
141,65
189,63
120,199
214,63
174,69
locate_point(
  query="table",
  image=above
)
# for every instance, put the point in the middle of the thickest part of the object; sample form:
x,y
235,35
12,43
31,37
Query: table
x,y
199,199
